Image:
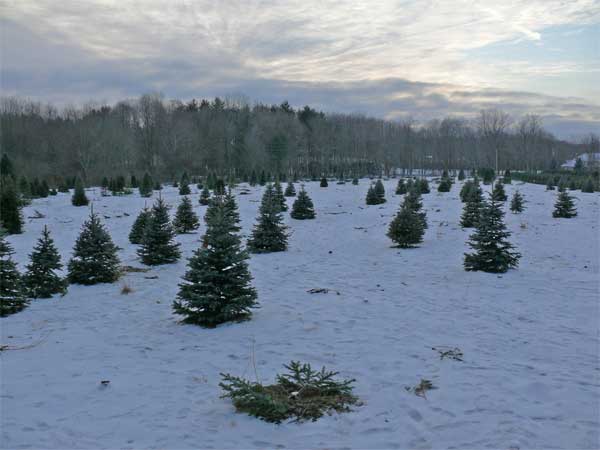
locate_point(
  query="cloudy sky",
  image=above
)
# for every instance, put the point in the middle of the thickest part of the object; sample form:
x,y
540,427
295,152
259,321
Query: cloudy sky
x,y
388,58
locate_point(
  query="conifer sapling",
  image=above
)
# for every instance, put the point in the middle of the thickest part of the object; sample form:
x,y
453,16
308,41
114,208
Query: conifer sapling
x,y
186,219
158,246
40,279
12,298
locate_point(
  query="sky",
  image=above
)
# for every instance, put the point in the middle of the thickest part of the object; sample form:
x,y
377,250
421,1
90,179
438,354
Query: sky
x,y
394,59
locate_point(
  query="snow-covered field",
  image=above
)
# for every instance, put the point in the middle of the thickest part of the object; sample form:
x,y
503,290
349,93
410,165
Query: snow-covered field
x,y
530,376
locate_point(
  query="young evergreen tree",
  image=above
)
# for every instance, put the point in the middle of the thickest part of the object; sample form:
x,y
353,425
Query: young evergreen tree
x,y
401,187
461,175
493,253
12,297
498,192
549,185
371,196
562,184
40,279
139,226
290,191
146,186
134,182
158,246
588,185
517,203
11,218
204,196
280,198
269,234
406,230
445,185
414,201
473,204
186,219
355,181
263,178
324,182
184,185
253,178
380,192
95,257
217,285
507,179
79,198
424,186
564,206
303,207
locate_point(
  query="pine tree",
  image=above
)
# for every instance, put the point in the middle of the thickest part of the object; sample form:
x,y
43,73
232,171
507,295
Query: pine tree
x,y
41,280
473,204
380,192
146,186
549,185
401,187
12,298
507,179
493,253
280,198
134,182
588,186
355,181
562,184
204,196
253,178
11,218
413,201
269,234
263,178
324,182
564,206
461,175
79,198
303,207
227,205
290,191
6,167
498,192
406,230
95,257
186,219
371,196
517,203
136,234
217,285
445,185
424,186
158,246
184,185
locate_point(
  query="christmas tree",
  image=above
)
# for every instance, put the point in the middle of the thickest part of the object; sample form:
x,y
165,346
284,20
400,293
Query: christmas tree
x,y
290,191
204,196
79,198
41,280
549,185
11,219
413,201
588,186
216,287
493,253
146,186
445,185
564,206
355,181
324,182
380,192
269,234
461,175
186,219
424,186
280,198
253,178
406,230
401,187
94,255
263,178
517,203
139,226
473,204
498,192
303,207
507,179
184,185
12,298
158,246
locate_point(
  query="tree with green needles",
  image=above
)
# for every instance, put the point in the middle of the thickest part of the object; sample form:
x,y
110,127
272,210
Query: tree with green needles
x,y
40,279
498,192
588,186
146,186
424,186
186,219
204,196
95,257
280,198
413,200
158,243
217,285
269,233
184,185
517,203
290,191
564,206
406,230
139,226
461,175
11,219
401,187
473,204
12,296
379,191
492,251
324,182
303,207
79,198
445,185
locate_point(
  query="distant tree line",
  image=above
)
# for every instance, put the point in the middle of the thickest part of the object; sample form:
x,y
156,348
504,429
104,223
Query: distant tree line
x,y
232,138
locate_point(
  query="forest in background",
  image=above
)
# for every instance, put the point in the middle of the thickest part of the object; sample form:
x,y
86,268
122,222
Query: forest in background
x,y
231,137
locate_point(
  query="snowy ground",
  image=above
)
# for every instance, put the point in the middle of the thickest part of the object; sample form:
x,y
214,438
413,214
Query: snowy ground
x,y
529,379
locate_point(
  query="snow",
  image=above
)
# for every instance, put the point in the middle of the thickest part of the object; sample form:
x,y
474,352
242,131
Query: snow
x,y
530,337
